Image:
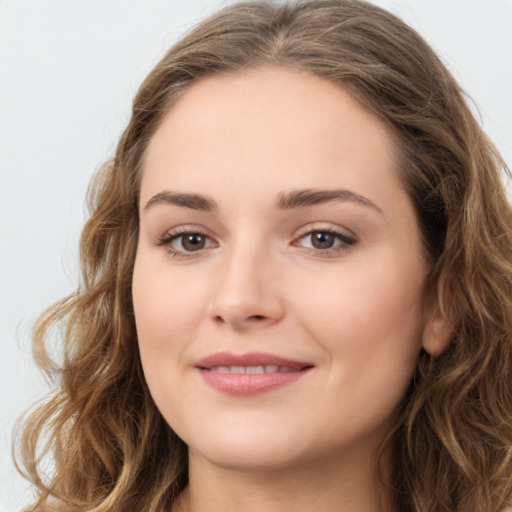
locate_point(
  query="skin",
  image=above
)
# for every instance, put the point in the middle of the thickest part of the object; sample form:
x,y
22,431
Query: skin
x,y
259,283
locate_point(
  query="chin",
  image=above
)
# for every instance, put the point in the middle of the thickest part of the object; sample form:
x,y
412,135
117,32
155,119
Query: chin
x,y
248,460
249,451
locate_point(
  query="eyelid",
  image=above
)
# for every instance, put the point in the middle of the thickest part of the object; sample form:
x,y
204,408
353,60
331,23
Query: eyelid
x,y
172,234
346,236
328,228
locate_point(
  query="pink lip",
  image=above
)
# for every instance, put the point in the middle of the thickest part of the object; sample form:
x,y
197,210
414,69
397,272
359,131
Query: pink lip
x,y
249,384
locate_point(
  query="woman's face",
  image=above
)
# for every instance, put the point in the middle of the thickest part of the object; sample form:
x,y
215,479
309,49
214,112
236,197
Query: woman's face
x,y
279,274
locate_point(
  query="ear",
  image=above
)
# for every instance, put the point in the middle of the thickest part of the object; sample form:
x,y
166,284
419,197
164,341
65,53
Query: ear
x,y
437,332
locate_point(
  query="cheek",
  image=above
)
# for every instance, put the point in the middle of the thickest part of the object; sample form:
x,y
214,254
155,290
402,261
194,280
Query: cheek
x,y
370,322
164,305
166,311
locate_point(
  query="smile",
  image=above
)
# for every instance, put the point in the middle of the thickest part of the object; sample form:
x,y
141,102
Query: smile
x,y
250,374
252,369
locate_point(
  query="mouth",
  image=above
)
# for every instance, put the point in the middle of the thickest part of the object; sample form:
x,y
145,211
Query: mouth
x,y
250,374
253,369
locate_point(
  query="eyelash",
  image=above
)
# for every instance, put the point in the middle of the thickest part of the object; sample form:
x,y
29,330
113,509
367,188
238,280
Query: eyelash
x,y
345,242
167,240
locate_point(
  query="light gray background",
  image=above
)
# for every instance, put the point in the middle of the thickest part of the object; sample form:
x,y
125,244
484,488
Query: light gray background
x,y
68,71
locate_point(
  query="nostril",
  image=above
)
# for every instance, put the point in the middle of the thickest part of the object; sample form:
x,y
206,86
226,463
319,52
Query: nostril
x,y
257,317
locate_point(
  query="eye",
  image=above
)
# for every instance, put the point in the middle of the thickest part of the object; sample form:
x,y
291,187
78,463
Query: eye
x,y
322,239
184,243
325,241
191,241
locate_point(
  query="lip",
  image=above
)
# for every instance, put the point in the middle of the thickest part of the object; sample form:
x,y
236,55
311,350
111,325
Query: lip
x,y
249,384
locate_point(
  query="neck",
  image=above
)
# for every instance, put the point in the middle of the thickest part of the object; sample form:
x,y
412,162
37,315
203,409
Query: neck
x,y
320,486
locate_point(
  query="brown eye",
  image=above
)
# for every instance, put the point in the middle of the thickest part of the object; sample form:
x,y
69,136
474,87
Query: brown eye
x,y
186,243
192,241
322,239
325,242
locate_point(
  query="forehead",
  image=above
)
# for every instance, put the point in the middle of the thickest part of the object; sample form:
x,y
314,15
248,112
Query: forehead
x,y
271,126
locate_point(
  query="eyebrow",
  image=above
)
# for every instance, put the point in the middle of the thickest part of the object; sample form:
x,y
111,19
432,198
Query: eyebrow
x,y
311,197
286,201
193,201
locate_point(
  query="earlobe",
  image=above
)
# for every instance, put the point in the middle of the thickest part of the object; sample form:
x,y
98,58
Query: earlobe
x,y
437,333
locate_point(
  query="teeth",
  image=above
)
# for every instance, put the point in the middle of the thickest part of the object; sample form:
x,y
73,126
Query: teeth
x,y
253,369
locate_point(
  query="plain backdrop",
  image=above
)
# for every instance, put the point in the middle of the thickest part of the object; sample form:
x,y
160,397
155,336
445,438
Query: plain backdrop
x,y
68,72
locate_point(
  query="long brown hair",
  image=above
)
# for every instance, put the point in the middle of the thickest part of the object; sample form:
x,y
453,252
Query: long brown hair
x,y
452,450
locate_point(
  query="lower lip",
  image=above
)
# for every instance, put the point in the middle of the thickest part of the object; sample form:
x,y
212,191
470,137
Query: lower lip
x,y
250,384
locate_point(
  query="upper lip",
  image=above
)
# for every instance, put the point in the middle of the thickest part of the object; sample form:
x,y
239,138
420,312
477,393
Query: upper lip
x,y
249,359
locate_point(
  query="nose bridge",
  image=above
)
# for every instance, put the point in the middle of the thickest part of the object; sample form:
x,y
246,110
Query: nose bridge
x,y
246,293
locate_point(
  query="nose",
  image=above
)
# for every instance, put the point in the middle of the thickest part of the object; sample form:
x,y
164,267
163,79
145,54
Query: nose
x,y
247,293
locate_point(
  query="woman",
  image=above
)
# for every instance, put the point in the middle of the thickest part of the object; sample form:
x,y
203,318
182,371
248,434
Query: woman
x,y
297,284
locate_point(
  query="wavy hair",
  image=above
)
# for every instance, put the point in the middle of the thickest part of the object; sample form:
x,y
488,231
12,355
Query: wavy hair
x,y
110,448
